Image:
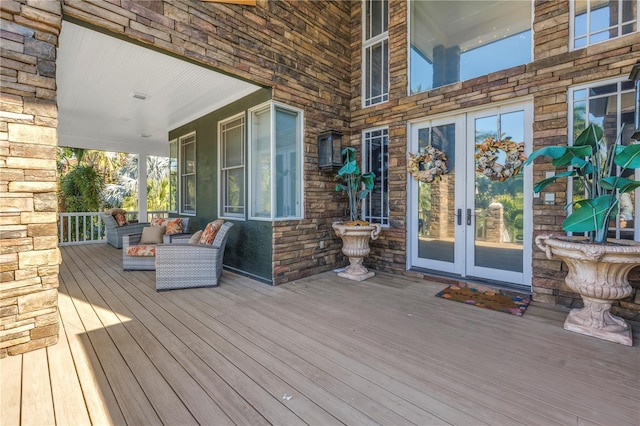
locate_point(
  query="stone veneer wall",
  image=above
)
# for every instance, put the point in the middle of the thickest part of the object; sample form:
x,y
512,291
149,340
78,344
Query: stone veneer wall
x,y
545,80
29,255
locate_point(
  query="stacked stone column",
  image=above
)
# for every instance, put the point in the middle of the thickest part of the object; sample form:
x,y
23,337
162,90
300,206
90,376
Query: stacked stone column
x,y
29,256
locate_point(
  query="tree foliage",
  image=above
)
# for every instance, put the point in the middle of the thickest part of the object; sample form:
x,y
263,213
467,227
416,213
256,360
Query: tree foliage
x,y
92,180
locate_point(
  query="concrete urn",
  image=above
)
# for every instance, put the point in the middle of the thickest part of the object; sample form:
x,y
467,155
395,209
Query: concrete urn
x,y
355,245
599,273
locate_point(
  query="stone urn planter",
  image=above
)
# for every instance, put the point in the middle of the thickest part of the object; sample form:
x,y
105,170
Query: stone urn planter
x,y
355,245
598,272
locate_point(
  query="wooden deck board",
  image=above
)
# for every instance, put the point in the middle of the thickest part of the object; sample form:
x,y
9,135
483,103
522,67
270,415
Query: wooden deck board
x,y
37,401
384,351
10,390
68,399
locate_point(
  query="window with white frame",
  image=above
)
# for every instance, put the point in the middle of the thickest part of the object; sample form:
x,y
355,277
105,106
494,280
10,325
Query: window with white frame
x,y
188,173
232,182
375,154
375,52
275,162
610,105
593,21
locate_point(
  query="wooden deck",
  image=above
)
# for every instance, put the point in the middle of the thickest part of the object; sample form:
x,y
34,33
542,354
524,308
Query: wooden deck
x,y
320,351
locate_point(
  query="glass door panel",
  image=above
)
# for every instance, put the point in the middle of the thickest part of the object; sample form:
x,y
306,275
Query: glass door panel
x,y
436,200
435,242
498,207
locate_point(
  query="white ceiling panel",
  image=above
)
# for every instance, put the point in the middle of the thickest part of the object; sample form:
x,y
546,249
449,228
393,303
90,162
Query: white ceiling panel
x,y
97,76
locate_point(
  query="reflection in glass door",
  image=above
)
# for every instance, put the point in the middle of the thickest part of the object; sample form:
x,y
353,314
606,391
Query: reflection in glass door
x,y
498,201
436,200
469,223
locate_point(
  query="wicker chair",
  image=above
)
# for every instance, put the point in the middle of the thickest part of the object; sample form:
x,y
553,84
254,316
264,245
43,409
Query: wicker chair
x,y
148,263
115,232
191,265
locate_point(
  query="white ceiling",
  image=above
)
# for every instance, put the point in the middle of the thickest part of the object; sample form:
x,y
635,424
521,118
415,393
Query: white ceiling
x,y
97,76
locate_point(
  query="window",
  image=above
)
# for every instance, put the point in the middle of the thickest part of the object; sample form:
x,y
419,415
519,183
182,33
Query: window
x,y
611,106
594,21
376,159
288,155
260,192
275,190
375,55
231,137
460,40
188,174
173,175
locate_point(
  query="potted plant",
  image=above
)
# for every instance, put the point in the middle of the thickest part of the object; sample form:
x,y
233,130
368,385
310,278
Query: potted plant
x,y
597,265
355,233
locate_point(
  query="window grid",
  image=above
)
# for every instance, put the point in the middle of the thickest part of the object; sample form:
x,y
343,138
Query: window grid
x,y
188,174
232,181
585,30
375,55
376,159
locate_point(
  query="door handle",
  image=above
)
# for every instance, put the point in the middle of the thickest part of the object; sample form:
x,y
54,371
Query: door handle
x,y
459,216
468,216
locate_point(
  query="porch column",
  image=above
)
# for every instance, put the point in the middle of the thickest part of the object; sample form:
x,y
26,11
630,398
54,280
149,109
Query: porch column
x,y
142,186
29,255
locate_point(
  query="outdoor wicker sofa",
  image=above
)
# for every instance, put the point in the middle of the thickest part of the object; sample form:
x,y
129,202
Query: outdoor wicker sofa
x,y
148,263
191,265
115,232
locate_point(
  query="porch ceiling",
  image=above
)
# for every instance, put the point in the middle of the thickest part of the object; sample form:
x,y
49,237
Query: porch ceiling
x,y
98,76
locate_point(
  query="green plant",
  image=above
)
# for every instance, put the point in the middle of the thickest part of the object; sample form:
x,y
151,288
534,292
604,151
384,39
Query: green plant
x,y
81,189
356,184
593,161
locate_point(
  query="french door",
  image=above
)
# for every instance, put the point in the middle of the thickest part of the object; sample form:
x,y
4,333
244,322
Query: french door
x,y
466,224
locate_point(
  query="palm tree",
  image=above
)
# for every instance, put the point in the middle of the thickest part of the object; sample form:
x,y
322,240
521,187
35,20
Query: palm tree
x,y
118,176
123,191
158,183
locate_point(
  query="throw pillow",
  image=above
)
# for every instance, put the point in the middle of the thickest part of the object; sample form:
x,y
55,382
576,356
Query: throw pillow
x,y
210,232
195,237
174,226
158,221
121,218
152,235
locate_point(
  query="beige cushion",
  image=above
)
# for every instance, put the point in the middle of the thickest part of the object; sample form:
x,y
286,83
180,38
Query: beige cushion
x,y
115,211
152,235
195,237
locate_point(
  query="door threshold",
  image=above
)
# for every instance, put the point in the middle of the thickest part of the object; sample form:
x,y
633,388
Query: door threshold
x,y
482,283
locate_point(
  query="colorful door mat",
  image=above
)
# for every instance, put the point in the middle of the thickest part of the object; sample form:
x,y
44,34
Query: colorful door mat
x,y
488,299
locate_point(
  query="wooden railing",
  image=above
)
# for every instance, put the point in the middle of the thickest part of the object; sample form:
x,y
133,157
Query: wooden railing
x,y
88,227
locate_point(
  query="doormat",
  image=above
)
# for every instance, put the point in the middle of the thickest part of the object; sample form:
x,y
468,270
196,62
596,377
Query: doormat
x,y
488,299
